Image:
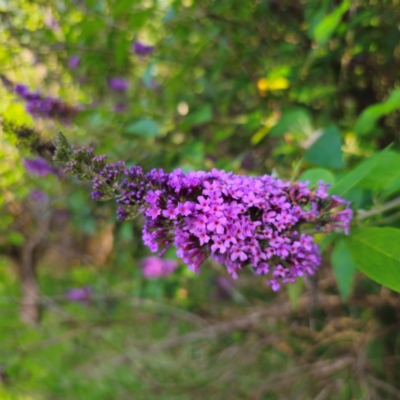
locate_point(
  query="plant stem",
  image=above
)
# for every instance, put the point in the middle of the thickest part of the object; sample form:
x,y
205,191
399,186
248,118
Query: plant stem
x,y
384,207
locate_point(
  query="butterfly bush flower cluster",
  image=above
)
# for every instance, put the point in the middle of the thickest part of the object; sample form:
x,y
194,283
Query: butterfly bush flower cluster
x,y
233,219
45,106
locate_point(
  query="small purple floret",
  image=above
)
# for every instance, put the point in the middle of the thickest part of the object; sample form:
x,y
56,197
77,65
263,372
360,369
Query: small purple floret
x,y
142,49
73,62
81,295
118,84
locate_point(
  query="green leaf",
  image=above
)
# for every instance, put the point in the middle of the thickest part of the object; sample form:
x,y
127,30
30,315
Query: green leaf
x,y
143,127
15,238
314,175
383,174
259,135
201,116
344,269
294,292
121,52
359,198
376,252
393,186
293,120
221,134
154,289
326,151
126,232
368,118
353,178
325,29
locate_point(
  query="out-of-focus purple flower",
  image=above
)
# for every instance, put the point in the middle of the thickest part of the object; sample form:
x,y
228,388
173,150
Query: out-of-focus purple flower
x,y
38,195
120,107
73,62
142,49
41,106
118,84
81,295
39,166
21,90
155,267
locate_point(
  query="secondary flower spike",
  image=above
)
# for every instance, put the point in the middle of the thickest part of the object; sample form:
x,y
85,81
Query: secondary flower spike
x,y
45,107
236,220
40,106
39,166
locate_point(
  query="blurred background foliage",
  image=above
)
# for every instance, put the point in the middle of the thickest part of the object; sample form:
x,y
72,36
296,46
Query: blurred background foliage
x,y
299,89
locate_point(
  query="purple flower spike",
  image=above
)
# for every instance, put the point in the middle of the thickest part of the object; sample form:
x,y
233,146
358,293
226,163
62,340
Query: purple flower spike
x,y
21,90
38,166
45,107
118,84
80,295
142,49
155,267
73,62
235,220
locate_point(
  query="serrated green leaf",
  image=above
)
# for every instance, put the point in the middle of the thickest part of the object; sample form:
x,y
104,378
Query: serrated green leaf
x,y
326,151
344,269
376,252
314,175
143,127
366,122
